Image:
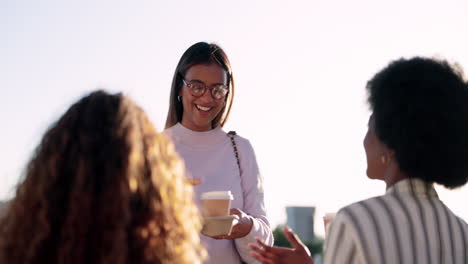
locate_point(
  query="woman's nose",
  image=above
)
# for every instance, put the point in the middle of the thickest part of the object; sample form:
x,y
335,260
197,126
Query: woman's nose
x,y
206,97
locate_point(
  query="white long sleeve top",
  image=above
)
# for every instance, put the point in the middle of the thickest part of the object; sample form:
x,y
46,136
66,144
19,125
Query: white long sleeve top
x,y
210,156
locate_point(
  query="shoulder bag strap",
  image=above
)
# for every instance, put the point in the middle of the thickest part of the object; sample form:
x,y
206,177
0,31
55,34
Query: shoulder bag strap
x,y
231,135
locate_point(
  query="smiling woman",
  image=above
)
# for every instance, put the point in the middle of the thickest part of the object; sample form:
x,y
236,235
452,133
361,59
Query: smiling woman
x,y
200,107
201,98
201,65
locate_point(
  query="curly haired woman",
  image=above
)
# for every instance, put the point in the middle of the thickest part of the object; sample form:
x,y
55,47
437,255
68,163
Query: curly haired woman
x,y
102,187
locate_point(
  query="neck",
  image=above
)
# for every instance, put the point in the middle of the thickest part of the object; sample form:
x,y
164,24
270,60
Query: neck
x,y
394,174
194,127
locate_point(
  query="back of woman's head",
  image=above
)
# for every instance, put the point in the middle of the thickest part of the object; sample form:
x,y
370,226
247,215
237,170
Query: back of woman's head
x,y
102,187
420,108
200,53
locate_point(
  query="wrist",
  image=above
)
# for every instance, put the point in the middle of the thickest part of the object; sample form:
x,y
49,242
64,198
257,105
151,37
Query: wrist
x,y
249,223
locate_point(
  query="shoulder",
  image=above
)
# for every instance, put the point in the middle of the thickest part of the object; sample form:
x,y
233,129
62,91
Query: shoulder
x,y
168,131
365,203
175,133
462,223
356,220
358,211
241,142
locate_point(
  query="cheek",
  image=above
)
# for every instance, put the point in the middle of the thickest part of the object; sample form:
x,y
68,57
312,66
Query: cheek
x,y
184,93
367,144
186,99
372,156
219,105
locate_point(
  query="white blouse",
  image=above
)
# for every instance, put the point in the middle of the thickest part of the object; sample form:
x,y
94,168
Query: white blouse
x,y
209,155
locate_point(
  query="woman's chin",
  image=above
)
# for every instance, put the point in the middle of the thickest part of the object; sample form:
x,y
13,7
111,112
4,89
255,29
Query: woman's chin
x,y
372,176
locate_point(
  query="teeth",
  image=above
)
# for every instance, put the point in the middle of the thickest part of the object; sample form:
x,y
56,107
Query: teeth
x,y
206,109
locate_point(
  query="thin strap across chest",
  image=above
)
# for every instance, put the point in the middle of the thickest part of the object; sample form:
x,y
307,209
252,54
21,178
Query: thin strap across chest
x,y
231,135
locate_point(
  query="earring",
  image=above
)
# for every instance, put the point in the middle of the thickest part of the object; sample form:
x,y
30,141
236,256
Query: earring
x,y
383,159
178,98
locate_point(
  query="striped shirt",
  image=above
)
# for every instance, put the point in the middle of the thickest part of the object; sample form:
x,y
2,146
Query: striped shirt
x,y
409,224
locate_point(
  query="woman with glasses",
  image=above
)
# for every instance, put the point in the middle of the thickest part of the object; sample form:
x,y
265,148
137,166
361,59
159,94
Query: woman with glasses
x,y
201,97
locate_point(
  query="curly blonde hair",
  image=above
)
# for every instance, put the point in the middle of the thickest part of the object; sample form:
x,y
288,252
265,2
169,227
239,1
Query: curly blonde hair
x,y
102,187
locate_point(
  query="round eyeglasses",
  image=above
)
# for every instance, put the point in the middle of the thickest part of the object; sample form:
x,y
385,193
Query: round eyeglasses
x,y
198,89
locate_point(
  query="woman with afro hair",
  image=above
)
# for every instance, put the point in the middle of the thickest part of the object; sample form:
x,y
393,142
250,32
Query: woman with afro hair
x,y
417,137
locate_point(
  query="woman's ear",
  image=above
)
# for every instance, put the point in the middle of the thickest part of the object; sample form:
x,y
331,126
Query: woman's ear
x,y
389,154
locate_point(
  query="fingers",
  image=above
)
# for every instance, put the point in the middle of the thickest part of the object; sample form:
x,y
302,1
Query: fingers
x,y
260,258
263,245
243,225
236,232
273,249
235,211
261,254
294,239
260,250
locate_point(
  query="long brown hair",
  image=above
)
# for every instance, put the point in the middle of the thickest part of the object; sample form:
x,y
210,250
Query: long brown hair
x,y
102,187
199,53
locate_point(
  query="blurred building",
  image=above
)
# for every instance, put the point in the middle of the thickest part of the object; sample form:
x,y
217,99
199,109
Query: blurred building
x,y
2,205
301,220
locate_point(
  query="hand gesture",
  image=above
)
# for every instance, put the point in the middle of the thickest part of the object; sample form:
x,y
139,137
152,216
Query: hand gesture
x,y
300,254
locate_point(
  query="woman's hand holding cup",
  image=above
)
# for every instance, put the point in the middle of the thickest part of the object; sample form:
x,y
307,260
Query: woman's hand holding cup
x,y
217,204
242,228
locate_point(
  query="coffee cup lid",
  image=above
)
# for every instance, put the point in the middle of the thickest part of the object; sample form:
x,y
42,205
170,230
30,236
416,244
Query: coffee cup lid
x,y
218,195
329,216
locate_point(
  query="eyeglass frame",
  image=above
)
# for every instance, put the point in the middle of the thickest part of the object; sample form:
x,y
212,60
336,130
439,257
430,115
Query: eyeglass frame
x,y
205,87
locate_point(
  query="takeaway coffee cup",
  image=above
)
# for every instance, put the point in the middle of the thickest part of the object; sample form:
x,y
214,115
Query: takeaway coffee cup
x,y
327,218
216,203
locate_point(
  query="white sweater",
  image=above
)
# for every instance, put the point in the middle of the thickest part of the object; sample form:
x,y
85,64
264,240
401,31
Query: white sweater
x,y
210,156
